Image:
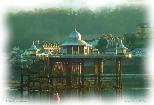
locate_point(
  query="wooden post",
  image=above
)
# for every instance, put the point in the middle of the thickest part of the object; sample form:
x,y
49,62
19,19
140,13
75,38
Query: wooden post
x,y
64,70
28,82
79,76
118,77
21,82
99,73
51,72
95,74
98,70
68,76
82,74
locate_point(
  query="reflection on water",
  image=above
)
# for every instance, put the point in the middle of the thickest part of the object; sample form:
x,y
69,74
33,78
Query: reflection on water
x,y
134,85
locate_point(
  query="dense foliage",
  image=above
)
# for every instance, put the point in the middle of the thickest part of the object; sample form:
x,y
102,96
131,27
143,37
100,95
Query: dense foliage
x,y
54,24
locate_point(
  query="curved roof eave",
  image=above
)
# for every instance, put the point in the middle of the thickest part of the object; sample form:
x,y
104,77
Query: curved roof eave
x,y
80,42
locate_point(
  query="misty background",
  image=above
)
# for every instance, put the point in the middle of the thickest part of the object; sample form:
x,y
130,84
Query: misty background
x,y
55,24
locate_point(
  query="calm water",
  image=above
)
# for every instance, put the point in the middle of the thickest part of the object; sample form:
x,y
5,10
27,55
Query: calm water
x,y
134,85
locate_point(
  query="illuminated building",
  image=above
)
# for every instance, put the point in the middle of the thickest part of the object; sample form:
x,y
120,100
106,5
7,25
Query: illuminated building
x,y
75,45
51,47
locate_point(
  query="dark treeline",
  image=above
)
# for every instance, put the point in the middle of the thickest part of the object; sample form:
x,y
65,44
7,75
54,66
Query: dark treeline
x,y
54,24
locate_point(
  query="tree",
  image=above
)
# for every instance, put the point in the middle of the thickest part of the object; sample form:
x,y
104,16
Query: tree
x,y
101,46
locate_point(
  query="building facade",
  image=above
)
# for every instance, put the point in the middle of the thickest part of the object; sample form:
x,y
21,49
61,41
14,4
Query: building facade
x,y
75,45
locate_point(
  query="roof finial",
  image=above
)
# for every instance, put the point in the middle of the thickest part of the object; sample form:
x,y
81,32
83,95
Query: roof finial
x,y
33,42
75,30
38,42
121,43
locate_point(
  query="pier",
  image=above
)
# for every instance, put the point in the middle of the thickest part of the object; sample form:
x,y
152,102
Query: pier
x,y
65,72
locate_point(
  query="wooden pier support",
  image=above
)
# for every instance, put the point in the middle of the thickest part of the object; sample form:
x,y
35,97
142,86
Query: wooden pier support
x,y
21,82
81,86
51,66
82,75
68,76
118,77
98,71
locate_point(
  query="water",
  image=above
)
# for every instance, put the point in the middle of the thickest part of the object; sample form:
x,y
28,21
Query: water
x,y
134,85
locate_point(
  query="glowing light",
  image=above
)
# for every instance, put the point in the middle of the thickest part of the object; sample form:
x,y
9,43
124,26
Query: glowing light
x,y
128,55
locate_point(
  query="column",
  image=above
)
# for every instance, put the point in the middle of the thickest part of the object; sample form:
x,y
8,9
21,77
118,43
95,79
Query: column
x,y
82,74
51,78
68,76
79,76
98,72
21,82
118,77
72,50
82,77
78,50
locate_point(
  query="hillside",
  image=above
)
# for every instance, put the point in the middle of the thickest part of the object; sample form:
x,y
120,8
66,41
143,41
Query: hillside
x,y
54,24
